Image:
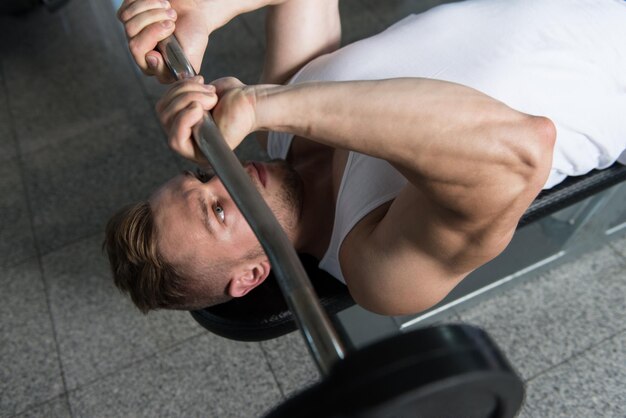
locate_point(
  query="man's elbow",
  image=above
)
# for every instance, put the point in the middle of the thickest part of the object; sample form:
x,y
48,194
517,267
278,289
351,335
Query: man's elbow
x,y
535,155
405,301
396,309
524,167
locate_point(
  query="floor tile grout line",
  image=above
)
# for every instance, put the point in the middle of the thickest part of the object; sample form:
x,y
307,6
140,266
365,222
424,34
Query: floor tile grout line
x,y
29,211
70,243
17,261
576,355
52,320
103,376
269,365
66,397
66,245
134,363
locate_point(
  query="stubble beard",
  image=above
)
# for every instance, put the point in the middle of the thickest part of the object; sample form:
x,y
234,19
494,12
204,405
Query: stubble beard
x,y
289,198
285,203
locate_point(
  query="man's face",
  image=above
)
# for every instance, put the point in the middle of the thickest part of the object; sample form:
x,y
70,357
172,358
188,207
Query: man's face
x,y
198,224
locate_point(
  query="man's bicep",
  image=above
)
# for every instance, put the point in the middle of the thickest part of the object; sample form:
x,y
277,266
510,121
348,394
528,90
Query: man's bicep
x,y
297,32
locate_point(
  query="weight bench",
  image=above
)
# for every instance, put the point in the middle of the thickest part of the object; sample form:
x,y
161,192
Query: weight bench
x,y
263,314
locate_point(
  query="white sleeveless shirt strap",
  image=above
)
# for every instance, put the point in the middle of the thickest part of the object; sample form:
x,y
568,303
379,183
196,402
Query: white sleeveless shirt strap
x,y
278,144
367,183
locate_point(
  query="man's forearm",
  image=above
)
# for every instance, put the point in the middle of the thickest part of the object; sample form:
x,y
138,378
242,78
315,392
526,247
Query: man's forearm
x,y
447,139
216,14
298,31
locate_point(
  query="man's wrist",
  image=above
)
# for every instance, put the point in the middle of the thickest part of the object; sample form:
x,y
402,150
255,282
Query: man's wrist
x,y
269,113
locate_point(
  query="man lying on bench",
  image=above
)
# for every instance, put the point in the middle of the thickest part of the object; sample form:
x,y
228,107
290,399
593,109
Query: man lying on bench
x,y
403,162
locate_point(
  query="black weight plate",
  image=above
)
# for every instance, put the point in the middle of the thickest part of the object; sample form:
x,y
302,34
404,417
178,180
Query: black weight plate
x,y
439,372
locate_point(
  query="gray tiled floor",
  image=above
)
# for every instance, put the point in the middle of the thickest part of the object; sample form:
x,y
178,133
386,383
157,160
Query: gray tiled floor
x,y
41,66
98,332
78,139
558,315
554,328
122,158
290,362
30,372
16,235
206,376
56,408
8,145
588,385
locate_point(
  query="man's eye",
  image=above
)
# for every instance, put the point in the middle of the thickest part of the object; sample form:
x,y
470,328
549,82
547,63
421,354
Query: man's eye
x,y
219,211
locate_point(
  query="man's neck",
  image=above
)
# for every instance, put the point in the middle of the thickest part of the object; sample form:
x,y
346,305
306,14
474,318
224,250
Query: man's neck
x,y
318,204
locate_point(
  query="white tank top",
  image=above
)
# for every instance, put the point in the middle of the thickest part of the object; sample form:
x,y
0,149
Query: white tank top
x,y
564,59
367,183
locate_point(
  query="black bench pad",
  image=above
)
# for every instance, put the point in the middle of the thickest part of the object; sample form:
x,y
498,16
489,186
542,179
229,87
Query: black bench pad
x,y
573,190
263,314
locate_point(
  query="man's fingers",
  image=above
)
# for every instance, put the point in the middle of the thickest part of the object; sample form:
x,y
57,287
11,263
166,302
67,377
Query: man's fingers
x,y
181,95
180,87
130,9
125,4
204,100
180,138
147,22
137,23
146,41
156,65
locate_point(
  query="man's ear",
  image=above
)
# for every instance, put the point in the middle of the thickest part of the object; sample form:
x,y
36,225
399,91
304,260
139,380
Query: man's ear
x,y
248,277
